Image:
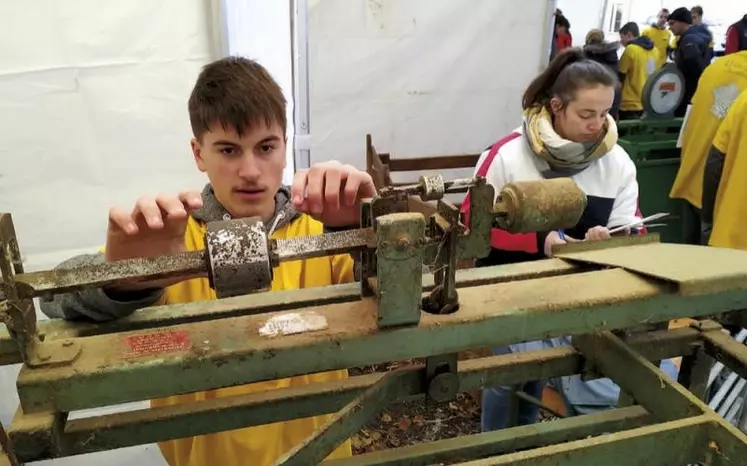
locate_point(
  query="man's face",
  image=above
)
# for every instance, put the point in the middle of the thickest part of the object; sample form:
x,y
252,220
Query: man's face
x,y
245,171
626,38
677,27
662,18
697,19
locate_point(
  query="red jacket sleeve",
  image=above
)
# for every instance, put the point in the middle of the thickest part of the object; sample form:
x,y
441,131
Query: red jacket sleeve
x,y
732,40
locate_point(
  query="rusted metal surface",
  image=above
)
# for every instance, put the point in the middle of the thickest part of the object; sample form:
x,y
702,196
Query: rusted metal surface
x,y
529,206
33,433
235,353
725,349
429,187
696,270
186,264
17,312
399,268
239,257
338,242
7,455
160,316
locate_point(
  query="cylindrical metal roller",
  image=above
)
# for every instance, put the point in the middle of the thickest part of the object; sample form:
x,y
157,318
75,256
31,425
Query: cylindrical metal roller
x,y
530,206
433,187
238,256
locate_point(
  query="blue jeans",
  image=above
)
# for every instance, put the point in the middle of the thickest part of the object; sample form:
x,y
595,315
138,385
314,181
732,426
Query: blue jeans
x,y
580,397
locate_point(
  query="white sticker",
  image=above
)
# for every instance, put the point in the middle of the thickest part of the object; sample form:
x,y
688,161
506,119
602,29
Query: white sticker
x,y
292,323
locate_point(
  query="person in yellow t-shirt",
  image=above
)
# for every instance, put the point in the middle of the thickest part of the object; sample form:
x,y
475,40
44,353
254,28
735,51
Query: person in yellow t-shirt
x,y
660,36
637,63
725,180
237,114
718,87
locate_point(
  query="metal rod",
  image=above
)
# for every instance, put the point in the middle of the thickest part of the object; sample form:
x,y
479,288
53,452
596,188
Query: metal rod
x,y
450,186
187,265
537,402
328,244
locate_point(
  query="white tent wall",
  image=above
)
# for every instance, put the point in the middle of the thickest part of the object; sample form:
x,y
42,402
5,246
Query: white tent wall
x,y
428,77
94,97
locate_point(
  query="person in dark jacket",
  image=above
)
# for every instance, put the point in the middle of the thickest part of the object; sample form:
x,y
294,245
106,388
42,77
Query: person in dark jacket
x,y
691,55
605,53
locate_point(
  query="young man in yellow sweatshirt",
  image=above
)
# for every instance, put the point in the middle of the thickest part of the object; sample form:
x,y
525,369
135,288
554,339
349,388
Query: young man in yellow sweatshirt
x,y
718,88
724,181
237,113
660,36
637,63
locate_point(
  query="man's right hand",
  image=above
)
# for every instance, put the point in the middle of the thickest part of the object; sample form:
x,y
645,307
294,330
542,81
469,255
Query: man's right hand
x,y
154,227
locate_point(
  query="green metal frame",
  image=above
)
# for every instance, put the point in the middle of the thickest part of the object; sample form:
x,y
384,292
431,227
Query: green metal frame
x,y
682,419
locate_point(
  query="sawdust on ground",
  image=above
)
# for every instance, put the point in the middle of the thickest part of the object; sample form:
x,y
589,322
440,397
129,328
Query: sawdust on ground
x,y
412,422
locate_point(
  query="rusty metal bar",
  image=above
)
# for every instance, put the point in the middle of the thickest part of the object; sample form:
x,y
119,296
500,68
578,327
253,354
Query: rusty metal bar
x,y
31,433
159,316
7,454
679,442
208,355
646,383
725,349
187,264
502,441
347,421
307,247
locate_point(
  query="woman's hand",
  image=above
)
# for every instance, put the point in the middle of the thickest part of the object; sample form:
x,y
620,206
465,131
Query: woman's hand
x,y
553,239
597,233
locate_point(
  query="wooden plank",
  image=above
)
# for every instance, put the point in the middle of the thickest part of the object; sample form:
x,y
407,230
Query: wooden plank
x,y
695,269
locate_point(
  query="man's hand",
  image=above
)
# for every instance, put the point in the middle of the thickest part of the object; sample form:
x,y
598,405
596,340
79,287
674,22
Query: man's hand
x,y
597,233
154,227
331,193
553,239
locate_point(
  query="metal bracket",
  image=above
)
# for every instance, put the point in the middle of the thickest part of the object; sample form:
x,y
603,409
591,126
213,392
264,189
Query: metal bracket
x,y
441,377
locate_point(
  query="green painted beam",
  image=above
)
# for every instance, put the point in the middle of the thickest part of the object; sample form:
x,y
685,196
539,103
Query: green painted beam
x,y
33,434
723,348
161,316
675,443
646,383
350,419
503,441
207,355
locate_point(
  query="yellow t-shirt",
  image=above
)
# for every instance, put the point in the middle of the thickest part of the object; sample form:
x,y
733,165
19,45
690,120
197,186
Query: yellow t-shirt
x,y
661,37
730,210
719,85
637,64
259,445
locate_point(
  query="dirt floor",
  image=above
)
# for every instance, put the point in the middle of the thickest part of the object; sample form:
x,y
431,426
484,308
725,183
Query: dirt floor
x,y
410,422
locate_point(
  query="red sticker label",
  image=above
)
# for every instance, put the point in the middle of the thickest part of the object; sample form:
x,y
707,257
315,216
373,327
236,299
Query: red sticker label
x,y
157,342
667,87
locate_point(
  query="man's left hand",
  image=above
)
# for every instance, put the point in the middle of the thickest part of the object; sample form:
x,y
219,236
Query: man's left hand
x,y
331,193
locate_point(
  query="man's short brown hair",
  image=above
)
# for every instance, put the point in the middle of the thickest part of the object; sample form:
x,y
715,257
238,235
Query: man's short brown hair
x,y
235,92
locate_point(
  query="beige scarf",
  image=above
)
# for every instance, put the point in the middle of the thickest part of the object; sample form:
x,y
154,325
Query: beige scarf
x,y
565,157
